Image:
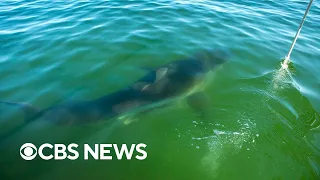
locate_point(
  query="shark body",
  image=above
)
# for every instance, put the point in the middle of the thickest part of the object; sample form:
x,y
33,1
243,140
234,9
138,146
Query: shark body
x,y
158,85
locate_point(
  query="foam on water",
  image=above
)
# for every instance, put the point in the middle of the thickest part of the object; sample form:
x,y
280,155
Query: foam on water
x,y
222,143
50,49
283,78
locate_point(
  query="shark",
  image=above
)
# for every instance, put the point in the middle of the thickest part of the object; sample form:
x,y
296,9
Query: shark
x,y
171,82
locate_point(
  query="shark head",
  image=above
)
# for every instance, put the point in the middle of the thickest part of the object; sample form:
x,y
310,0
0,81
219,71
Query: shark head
x,y
213,58
195,68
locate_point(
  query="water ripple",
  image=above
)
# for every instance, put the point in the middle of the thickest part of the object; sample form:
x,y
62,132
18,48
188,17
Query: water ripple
x,y
49,49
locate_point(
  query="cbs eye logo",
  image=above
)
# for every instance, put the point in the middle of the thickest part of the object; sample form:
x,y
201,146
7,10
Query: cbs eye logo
x,y
28,151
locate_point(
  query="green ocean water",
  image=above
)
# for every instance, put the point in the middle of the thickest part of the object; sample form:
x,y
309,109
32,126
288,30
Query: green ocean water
x,y
264,122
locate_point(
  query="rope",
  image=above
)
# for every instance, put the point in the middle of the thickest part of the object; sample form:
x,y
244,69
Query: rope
x,y
286,60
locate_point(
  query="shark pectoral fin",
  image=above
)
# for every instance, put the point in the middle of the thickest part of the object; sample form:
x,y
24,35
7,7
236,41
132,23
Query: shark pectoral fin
x,y
199,103
128,119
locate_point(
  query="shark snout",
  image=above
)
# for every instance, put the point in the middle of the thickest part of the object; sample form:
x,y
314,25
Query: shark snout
x,y
219,56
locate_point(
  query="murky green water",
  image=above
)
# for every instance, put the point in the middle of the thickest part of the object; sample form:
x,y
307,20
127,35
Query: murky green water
x,y
262,125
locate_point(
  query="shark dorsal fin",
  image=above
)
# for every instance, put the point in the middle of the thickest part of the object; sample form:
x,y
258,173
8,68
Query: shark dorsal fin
x,y
161,72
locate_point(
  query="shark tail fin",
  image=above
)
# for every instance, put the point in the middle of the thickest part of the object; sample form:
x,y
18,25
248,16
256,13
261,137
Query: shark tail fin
x,y
28,110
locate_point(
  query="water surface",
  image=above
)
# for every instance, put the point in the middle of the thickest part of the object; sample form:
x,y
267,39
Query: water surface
x,y
263,124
